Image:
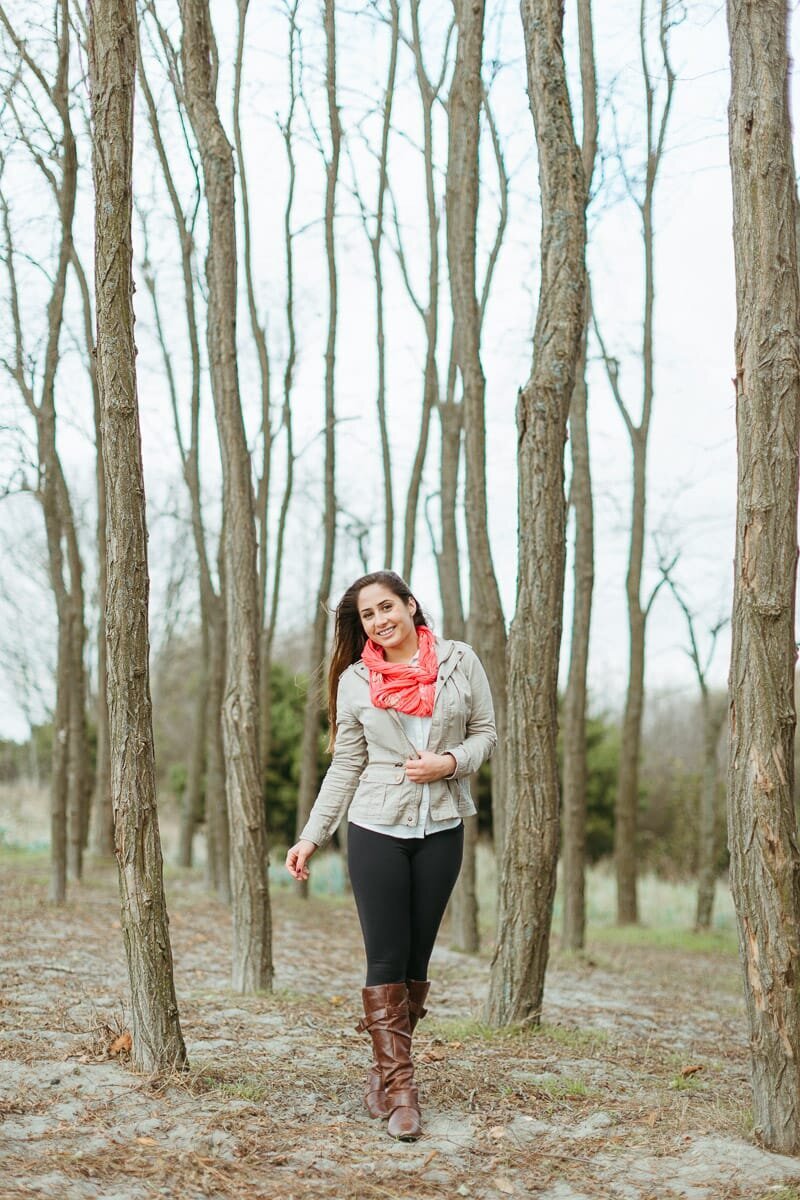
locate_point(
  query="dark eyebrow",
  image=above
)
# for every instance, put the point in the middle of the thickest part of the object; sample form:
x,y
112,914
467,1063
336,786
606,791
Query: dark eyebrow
x,y
368,609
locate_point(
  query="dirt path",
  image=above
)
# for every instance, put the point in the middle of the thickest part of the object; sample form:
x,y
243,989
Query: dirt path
x,y
593,1105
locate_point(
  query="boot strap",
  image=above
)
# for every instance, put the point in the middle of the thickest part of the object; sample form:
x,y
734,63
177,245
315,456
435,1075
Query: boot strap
x,y
404,1098
417,1009
380,1014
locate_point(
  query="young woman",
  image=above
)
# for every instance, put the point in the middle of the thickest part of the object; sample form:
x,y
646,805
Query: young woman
x,y
411,719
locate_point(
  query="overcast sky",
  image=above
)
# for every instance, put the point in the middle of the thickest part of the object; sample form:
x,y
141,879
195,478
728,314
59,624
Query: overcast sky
x,y
692,463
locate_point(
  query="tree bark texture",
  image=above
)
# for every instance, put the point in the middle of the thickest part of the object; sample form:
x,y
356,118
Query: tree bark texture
x,y
68,777
207,749
528,862
218,834
102,815
626,809
762,826
271,615
156,1032
486,628
713,720
309,751
58,784
627,805
376,246
252,932
429,311
486,625
573,857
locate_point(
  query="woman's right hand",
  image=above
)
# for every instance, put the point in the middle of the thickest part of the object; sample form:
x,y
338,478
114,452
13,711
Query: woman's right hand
x,y
297,858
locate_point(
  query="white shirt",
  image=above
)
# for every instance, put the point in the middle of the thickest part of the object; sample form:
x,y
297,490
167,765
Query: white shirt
x,y
418,730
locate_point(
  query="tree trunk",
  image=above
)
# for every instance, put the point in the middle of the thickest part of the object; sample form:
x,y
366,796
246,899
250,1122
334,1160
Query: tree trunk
x,y
102,816
156,1032
103,809
192,811
58,782
626,812
252,933
207,724
463,907
762,826
78,771
218,842
528,861
309,753
486,625
69,749
448,558
707,833
271,613
464,928
429,312
376,246
574,737
627,805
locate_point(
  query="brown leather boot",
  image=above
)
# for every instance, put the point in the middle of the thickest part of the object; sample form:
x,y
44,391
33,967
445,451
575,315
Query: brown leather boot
x,y
386,1019
375,1094
417,995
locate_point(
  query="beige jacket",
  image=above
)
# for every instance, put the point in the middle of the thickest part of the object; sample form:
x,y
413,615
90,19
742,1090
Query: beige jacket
x,y
367,772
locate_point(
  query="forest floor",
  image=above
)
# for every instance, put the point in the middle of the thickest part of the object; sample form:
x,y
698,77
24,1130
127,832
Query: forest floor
x,y
636,1085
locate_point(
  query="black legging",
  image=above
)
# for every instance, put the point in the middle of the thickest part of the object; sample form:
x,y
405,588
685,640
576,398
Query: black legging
x,y
401,888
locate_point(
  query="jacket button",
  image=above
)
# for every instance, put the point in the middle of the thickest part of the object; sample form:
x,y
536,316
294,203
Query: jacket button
x,y
398,778
410,821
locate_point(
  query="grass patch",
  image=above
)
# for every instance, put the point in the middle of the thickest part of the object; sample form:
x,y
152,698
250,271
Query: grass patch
x,y
715,941
15,854
685,1083
570,1037
250,1087
453,1029
573,1037
562,1087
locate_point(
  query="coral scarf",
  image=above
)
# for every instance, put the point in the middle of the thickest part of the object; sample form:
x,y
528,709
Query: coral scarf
x,y
405,686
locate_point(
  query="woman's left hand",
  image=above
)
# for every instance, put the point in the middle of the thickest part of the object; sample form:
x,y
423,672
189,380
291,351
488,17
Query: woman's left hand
x,y
429,766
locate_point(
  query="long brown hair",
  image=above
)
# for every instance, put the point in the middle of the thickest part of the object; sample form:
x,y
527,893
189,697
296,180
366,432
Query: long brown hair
x,y
349,637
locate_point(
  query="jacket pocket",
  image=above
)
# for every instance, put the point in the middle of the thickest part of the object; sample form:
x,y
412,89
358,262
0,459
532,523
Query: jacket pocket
x,y
370,796
463,797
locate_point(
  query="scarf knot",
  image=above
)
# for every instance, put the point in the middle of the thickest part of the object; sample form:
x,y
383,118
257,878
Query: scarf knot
x,y
408,687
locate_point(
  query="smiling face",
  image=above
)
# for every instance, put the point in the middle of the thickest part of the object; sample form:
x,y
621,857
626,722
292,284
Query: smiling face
x,y
388,621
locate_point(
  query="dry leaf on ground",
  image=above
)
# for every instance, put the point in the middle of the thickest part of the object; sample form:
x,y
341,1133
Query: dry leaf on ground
x,y
121,1044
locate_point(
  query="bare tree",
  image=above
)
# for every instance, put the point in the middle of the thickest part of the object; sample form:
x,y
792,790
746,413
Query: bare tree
x,y
628,786
309,753
59,168
252,932
486,624
713,717
580,497
762,825
374,228
270,604
102,811
156,1032
530,851
207,750
430,91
